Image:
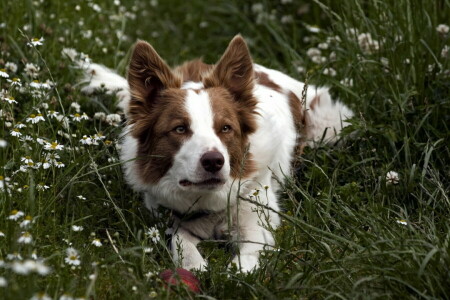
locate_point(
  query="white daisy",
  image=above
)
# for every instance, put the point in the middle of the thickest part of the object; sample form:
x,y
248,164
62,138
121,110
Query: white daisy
x,y
26,221
25,238
10,100
442,28
53,146
2,234
392,177
40,296
11,66
26,160
59,164
36,42
153,233
77,228
33,71
34,119
15,82
15,132
52,114
15,215
113,119
3,143
3,282
86,140
402,222
3,73
73,258
42,187
97,243
20,125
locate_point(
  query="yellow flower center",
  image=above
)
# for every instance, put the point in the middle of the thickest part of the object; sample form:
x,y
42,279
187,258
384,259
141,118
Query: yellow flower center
x,y
54,145
1,177
32,116
28,218
77,115
13,212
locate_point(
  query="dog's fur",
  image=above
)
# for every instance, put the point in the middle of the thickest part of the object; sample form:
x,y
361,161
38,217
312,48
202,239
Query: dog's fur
x,y
201,140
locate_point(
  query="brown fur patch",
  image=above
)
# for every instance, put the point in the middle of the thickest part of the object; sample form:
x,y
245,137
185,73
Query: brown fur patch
x,y
158,142
242,121
193,70
314,102
263,79
299,122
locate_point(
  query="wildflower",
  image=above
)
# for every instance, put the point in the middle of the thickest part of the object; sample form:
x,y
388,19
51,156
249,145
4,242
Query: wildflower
x,y
36,42
14,256
40,85
72,257
347,82
402,222
15,215
41,268
59,164
77,228
20,125
34,119
21,268
86,140
11,66
15,132
313,52
25,238
26,160
153,233
81,197
2,234
329,71
287,19
66,296
148,250
15,82
10,100
41,296
367,43
52,114
3,73
442,28
100,116
323,46
53,146
76,117
42,187
2,183
3,143
97,243
113,119
26,221
32,70
392,177
3,282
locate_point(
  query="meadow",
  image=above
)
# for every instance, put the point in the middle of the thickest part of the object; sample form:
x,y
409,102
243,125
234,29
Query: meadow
x,y
365,219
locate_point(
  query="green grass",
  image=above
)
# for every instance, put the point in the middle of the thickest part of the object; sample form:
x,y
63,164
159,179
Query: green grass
x,y
340,236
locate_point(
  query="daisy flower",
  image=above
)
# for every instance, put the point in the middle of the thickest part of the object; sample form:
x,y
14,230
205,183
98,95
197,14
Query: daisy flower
x,y
73,258
25,238
10,100
42,187
97,243
52,114
20,125
26,221
15,132
41,296
442,28
113,119
59,164
76,117
75,106
153,233
35,42
2,234
39,85
11,66
3,143
402,222
77,228
34,119
53,146
3,73
3,282
32,70
15,82
392,177
2,183
41,268
86,140
15,215
26,160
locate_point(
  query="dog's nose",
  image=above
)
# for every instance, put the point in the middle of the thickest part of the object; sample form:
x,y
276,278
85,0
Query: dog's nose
x,y
212,161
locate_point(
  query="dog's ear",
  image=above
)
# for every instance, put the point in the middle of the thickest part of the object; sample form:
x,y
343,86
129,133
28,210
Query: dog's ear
x,y
148,73
234,71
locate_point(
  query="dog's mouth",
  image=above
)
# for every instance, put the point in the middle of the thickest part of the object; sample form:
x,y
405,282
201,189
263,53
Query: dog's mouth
x,y
209,183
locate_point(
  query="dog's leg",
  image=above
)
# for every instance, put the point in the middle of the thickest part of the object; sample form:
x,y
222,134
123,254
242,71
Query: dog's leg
x,y
184,249
253,234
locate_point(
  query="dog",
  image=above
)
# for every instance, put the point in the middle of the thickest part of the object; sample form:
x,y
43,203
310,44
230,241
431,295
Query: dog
x,y
212,142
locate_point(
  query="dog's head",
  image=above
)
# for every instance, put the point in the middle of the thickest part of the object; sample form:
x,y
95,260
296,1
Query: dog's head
x,y
192,124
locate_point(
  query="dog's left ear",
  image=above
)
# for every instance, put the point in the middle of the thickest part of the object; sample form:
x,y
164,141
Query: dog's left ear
x,y
234,71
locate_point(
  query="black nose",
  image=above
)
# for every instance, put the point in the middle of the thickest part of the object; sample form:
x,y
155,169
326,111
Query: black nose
x,y
212,161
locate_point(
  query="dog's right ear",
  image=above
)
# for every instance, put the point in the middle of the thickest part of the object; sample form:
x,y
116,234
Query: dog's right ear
x,y
148,73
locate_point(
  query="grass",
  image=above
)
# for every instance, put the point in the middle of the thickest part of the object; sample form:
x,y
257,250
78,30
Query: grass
x,y
346,232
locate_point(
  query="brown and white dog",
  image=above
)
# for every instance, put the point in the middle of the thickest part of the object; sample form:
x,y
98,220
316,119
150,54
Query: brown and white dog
x,y
200,139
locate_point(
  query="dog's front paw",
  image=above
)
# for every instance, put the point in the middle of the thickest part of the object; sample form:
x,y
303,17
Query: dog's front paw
x,y
246,262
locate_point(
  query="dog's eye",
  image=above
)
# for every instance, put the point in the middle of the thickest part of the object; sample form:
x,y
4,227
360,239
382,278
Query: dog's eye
x,y
180,129
226,128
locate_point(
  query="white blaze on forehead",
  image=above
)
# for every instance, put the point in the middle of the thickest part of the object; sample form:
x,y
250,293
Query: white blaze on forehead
x,y
192,85
200,111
